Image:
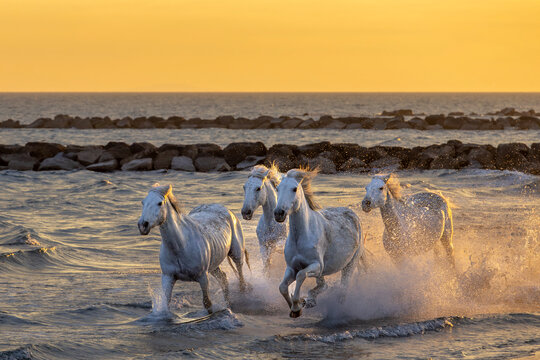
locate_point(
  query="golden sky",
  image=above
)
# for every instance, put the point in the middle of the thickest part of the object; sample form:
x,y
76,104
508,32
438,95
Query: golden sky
x,y
269,45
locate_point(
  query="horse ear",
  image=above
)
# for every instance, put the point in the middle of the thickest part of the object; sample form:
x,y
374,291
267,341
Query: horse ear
x,y
387,177
164,190
156,185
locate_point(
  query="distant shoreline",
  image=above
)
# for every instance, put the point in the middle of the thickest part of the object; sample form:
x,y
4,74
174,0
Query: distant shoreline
x,y
507,118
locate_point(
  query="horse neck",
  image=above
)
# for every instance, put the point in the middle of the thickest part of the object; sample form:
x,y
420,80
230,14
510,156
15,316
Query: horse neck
x,y
269,203
390,213
299,221
171,229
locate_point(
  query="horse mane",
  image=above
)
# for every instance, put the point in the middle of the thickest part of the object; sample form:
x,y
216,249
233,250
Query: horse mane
x,y
304,177
168,196
271,173
392,182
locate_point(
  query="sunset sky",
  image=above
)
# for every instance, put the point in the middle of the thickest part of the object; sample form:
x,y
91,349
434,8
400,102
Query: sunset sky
x,y
269,45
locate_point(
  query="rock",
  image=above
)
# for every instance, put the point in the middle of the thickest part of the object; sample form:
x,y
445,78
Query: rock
x,y
39,123
285,156
387,162
234,153
353,164
89,156
10,124
456,113
143,164
182,163
348,150
379,124
103,123
402,112
21,162
325,165
142,146
59,162
249,162
59,122
307,124
397,124
43,150
291,123
124,123
79,123
163,159
447,162
528,123
418,123
512,156
452,123
434,127
11,149
119,150
242,123
142,123
481,158
313,150
508,111
435,119
210,150
211,163
335,124
105,166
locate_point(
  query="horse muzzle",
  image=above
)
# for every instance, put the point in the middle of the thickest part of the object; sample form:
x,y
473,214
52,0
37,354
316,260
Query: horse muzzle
x,y
144,228
247,214
280,215
366,206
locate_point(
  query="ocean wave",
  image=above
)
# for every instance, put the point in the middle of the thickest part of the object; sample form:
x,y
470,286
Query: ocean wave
x,y
30,352
6,319
399,330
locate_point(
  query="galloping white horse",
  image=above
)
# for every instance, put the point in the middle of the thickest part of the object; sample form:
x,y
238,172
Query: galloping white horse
x,y
412,225
193,245
320,242
260,190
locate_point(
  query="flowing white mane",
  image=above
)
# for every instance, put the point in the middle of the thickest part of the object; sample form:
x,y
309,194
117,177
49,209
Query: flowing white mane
x,y
271,173
304,176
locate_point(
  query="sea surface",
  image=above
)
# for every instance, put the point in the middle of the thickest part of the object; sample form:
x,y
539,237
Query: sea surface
x,y
78,281
27,107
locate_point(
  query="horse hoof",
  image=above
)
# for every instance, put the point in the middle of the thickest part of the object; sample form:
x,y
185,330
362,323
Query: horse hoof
x,y
295,314
310,303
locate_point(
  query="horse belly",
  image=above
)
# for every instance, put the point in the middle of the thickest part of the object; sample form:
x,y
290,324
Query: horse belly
x,y
338,255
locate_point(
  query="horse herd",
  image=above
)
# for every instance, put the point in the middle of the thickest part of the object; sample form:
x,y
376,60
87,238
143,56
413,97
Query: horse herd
x,y
319,242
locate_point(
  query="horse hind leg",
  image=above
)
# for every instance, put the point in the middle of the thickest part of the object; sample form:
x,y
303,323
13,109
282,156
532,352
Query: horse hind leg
x,y
446,241
346,274
223,282
238,251
311,300
204,283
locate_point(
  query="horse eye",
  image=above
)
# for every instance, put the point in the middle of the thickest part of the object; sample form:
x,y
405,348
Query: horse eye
x,y
258,189
381,188
160,203
294,190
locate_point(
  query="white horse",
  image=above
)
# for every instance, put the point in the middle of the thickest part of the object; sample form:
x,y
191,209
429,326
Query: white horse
x,y
193,245
260,190
412,225
320,242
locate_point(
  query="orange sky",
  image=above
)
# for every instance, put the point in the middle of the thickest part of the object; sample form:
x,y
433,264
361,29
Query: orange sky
x,y
269,45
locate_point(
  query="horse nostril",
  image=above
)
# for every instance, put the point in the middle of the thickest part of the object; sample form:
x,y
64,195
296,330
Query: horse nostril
x,y
145,224
367,202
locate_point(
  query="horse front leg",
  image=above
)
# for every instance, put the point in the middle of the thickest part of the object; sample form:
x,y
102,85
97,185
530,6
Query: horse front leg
x,y
203,281
288,279
167,284
311,300
312,270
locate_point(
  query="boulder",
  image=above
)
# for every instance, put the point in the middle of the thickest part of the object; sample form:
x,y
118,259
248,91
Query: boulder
x,y
402,112
456,113
481,157
307,124
285,156
103,123
105,166
325,165
89,156
79,123
124,123
353,164
387,162
313,150
11,149
453,123
59,162
142,146
348,150
335,124
447,162
119,150
163,159
418,123
291,123
143,164
512,156
142,123
435,119
397,124
10,124
528,123
235,153
182,163
379,124
59,122
43,150
40,123
211,163
21,162
249,162
209,150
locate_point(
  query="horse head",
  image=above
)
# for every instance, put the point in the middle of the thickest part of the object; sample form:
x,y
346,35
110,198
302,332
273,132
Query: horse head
x,y
293,189
378,190
153,212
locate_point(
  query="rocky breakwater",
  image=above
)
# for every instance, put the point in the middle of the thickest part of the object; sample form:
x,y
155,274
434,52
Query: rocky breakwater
x,y
330,158
507,118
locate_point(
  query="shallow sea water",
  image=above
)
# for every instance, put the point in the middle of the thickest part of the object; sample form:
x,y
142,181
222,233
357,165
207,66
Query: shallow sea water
x,y
80,282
